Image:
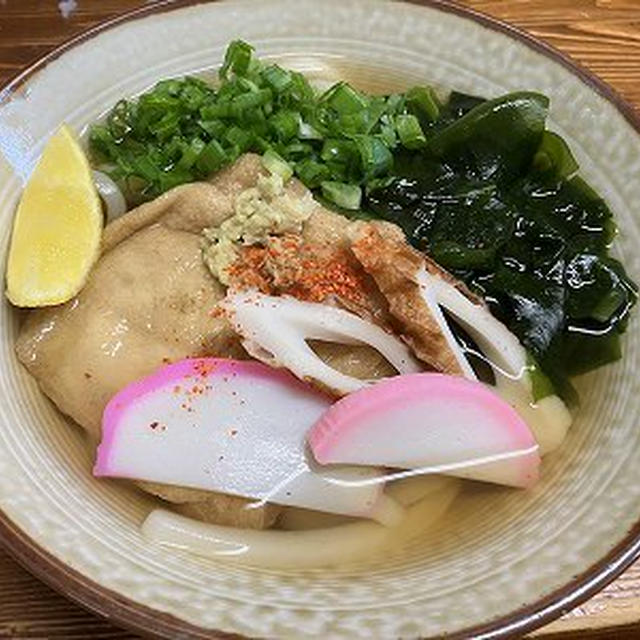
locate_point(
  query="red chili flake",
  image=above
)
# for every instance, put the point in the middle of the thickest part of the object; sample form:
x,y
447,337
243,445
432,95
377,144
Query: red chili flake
x,y
203,368
307,271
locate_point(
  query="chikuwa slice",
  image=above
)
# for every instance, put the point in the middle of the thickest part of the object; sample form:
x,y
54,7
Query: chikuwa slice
x,y
430,423
234,427
275,330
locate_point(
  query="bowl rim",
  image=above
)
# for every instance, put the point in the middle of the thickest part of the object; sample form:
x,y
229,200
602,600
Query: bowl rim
x,y
146,620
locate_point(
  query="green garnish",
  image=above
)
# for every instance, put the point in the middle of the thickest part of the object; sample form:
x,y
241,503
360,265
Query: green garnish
x,y
424,102
185,129
409,131
346,196
273,163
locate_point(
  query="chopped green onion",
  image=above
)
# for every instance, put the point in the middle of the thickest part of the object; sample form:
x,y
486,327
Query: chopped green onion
x,y
302,90
277,78
171,87
185,129
345,99
146,169
395,104
250,100
261,144
312,172
307,132
388,131
410,131
193,95
173,178
242,138
212,158
275,164
190,154
285,124
424,101
119,120
214,128
244,84
336,150
237,58
166,126
375,156
101,140
362,121
347,196
297,150
214,111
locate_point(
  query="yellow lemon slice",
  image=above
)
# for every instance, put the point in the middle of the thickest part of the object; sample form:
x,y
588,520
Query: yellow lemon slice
x,y
57,228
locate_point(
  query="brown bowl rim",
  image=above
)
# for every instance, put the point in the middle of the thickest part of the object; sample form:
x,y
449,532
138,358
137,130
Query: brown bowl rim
x,y
153,623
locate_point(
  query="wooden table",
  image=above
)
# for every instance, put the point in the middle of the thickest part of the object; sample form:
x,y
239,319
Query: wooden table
x,y
604,35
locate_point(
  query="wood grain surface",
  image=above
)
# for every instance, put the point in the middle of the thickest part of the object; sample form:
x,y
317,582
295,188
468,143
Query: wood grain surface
x,y
603,35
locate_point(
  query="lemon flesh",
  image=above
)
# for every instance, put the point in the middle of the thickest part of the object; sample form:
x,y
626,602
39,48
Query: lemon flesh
x,y
57,227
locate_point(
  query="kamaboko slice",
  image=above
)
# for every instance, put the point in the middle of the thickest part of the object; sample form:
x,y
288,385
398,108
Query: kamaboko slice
x,y
430,423
276,330
236,427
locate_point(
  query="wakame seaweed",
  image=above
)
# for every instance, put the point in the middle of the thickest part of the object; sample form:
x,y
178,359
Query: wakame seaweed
x,y
495,198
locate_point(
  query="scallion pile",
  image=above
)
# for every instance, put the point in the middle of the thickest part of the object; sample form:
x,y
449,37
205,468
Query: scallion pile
x,y
338,142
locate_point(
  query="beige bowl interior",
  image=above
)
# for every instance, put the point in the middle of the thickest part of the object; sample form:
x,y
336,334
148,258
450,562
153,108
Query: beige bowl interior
x,y
497,550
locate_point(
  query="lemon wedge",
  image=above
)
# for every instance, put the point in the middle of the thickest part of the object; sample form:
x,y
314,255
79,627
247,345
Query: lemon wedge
x,y
57,228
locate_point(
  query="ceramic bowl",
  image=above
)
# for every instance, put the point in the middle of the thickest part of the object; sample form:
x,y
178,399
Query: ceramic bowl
x,y
500,564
